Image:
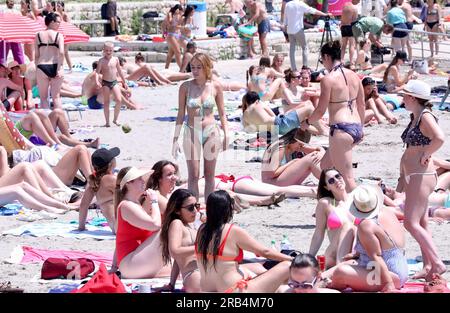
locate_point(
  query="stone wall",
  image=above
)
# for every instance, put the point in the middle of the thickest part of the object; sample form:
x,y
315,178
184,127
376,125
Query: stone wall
x,y
91,11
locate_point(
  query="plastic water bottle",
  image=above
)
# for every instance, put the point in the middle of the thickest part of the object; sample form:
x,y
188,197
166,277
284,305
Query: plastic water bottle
x,y
273,245
285,244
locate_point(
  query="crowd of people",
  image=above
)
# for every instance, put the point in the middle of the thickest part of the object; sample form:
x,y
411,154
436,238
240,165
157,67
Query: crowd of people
x,y
153,213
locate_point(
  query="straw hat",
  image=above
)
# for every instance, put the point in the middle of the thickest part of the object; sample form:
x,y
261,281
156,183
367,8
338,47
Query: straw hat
x,y
132,174
367,201
418,89
13,64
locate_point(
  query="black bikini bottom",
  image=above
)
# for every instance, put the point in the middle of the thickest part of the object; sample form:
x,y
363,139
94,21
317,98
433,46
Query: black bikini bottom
x,y
51,70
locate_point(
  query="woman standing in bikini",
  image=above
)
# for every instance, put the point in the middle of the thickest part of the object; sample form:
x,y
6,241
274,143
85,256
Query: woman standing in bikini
x,y
172,25
198,98
290,160
432,23
342,94
187,25
423,137
178,238
219,249
49,54
333,218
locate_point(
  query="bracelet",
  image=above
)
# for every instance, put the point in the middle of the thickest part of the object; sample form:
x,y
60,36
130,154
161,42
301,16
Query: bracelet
x,y
154,201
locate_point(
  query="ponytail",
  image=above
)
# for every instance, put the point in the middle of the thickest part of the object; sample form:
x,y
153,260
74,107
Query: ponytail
x,y
119,194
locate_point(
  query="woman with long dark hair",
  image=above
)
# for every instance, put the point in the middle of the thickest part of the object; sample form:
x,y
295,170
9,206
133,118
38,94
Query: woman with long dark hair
x,y
172,25
219,249
333,218
341,92
163,180
393,80
178,237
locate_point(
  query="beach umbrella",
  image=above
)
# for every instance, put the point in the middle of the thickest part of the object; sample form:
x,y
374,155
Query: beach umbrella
x,y
70,32
18,28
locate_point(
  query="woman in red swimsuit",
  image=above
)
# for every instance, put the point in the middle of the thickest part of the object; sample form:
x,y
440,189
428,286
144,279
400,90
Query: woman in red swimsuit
x,y
137,229
219,249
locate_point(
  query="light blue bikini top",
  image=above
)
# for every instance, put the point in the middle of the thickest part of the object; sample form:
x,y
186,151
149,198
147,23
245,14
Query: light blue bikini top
x,y
195,103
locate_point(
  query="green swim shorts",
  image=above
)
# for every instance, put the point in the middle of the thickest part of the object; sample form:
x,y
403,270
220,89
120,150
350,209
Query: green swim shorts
x,y
27,134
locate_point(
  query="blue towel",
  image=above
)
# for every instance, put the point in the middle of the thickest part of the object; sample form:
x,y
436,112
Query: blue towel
x,y
10,209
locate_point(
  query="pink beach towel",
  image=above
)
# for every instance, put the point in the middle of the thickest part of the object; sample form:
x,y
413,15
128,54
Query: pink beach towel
x,y
34,255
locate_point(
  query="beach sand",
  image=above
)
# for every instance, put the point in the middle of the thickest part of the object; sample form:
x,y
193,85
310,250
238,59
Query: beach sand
x,y
150,140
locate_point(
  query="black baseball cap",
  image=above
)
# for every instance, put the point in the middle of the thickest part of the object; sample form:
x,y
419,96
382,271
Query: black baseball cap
x,y
102,157
367,81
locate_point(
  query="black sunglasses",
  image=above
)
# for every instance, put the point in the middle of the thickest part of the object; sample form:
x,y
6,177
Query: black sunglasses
x,y
332,180
305,285
192,207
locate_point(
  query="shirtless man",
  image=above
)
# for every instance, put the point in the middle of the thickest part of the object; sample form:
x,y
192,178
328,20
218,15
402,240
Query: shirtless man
x,y
91,91
6,83
349,16
410,20
259,15
109,67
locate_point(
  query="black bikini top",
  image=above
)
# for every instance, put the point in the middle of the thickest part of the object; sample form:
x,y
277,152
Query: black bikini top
x,y
350,101
54,44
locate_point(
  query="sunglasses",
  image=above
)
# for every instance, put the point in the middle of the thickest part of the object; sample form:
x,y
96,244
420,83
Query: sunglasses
x,y
305,285
332,180
192,207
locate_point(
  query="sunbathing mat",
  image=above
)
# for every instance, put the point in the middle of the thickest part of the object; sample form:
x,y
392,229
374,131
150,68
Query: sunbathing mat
x,y
65,230
131,285
26,254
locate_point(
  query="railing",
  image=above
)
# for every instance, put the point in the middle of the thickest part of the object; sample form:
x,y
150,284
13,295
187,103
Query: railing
x,y
420,34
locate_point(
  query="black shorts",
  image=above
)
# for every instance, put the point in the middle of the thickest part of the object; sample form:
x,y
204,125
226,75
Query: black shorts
x,y
399,33
346,31
410,25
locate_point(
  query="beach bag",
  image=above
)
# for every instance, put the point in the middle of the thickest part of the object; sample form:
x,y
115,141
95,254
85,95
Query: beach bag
x,y
420,66
10,137
65,268
102,282
247,32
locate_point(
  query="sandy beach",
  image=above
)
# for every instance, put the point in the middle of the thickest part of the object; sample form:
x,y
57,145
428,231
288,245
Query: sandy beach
x,y
150,141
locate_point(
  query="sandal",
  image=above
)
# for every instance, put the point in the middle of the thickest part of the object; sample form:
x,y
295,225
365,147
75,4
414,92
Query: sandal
x,y
437,285
276,199
5,287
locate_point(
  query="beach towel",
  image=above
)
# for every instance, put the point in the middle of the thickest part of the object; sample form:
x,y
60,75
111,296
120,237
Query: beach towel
x,y
10,209
26,254
62,230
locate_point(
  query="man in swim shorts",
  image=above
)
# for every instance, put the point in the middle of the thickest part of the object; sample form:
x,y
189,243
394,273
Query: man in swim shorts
x,y
349,16
259,15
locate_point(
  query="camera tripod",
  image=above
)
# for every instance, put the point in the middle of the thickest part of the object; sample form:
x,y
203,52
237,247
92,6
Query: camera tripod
x,y
326,35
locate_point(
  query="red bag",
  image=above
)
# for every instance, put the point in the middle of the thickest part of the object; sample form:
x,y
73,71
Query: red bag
x,y
102,282
67,268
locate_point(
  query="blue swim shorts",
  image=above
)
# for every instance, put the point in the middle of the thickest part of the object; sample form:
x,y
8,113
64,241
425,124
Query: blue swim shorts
x,y
287,122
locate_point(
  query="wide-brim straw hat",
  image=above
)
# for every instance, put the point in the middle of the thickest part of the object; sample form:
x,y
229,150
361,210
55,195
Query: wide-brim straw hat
x,y
367,201
13,64
417,89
